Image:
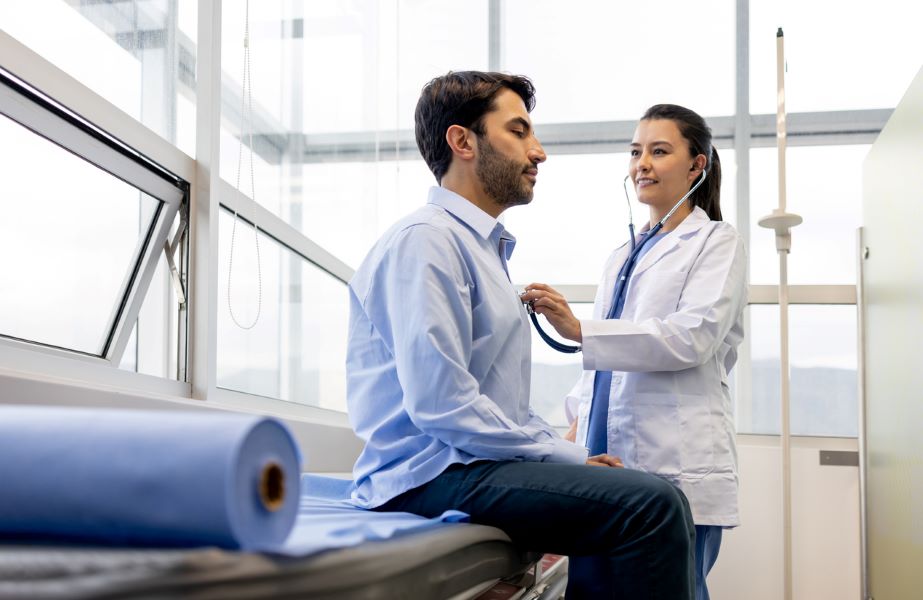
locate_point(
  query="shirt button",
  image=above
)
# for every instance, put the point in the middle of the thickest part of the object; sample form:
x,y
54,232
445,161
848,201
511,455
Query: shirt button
x,y
617,379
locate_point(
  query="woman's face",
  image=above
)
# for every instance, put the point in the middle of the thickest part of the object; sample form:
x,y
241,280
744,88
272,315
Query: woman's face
x,y
661,166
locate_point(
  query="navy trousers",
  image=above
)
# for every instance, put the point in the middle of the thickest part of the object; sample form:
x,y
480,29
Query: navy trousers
x,y
628,534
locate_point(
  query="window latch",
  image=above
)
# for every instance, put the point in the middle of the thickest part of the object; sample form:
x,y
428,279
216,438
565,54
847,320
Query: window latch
x,y
169,249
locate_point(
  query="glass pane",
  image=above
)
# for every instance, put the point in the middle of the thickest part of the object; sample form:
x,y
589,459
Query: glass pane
x,y
77,235
554,373
824,186
579,216
296,348
328,73
849,54
352,203
152,348
131,53
606,62
824,392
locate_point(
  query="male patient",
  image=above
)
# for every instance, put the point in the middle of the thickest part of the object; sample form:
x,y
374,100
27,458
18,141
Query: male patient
x,y
439,361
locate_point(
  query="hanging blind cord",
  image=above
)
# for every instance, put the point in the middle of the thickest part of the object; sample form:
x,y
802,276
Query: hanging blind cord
x,y
246,117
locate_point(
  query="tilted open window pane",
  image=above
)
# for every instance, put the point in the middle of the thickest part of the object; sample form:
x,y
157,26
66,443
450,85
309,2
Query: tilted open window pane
x,y
84,220
72,236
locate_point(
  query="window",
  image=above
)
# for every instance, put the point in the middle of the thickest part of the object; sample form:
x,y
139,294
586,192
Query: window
x,y
335,162
87,237
334,90
824,186
289,338
608,63
823,371
140,56
836,53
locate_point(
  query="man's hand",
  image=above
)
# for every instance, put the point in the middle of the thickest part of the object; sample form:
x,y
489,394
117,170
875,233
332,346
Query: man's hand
x,y
545,300
571,435
605,460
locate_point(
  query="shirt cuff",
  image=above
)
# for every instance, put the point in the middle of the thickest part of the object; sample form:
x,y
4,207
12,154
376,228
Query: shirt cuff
x,y
563,451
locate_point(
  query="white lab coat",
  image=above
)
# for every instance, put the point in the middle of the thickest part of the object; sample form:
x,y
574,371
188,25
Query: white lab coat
x,y
670,353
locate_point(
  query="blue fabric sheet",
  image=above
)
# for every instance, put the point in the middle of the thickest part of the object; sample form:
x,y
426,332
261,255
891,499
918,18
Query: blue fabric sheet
x,y
327,520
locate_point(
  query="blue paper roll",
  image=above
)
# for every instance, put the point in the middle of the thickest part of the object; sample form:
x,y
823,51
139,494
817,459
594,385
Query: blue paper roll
x,y
147,478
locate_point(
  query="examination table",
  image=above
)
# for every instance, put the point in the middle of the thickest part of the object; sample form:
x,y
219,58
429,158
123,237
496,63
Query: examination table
x,y
433,559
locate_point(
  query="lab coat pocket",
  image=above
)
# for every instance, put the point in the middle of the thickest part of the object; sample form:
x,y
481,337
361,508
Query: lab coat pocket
x,y
583,418
657,432
697,432
658,293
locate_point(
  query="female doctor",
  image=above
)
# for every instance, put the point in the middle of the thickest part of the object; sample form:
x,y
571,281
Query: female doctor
x,y
657,355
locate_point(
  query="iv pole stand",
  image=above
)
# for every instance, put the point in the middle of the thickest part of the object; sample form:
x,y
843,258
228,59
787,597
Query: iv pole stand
x,y
782,222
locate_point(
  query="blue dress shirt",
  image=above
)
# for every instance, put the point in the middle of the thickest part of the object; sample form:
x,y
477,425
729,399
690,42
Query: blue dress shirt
x,y
438,362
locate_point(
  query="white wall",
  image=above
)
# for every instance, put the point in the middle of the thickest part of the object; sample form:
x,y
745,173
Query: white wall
x,y
893,293
825,525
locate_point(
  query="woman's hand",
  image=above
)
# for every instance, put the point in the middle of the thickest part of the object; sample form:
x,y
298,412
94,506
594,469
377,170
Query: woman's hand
x,y
547,301
571,435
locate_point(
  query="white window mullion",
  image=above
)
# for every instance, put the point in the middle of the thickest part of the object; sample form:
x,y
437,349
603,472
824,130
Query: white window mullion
x,y
203,326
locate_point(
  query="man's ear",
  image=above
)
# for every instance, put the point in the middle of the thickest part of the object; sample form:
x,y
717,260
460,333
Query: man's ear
x,y
461,141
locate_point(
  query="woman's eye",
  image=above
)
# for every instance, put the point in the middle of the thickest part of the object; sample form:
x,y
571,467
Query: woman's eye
x,y
633,153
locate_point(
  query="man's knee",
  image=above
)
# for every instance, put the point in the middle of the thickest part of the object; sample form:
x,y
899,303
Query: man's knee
x,y
657,508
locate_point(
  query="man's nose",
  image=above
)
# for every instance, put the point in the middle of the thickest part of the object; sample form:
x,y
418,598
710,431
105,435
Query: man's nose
x,y
537,153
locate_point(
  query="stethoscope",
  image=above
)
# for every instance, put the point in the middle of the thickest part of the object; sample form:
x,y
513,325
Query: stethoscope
x,y
627,267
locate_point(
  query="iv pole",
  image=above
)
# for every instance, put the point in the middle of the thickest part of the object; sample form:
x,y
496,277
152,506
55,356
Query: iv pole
x,y
782,222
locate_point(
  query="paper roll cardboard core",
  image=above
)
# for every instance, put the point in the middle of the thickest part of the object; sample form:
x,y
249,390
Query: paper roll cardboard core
x,y
272,487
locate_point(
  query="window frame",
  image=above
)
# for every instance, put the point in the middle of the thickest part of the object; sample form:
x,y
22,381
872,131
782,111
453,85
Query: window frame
x,y
43,116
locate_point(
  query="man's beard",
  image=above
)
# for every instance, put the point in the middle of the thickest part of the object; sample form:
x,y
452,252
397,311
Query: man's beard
x,y
502,177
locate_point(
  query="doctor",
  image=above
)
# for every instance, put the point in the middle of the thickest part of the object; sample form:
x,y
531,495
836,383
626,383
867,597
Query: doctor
x,y
655,387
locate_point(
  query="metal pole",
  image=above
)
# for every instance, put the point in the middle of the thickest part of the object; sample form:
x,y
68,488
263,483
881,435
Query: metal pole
x,y
782,222
861,253
783,324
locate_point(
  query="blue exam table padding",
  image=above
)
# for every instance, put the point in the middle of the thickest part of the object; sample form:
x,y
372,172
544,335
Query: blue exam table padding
x,y
327,520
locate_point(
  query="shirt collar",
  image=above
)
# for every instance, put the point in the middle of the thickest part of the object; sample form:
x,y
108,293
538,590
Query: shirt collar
x,y
465,211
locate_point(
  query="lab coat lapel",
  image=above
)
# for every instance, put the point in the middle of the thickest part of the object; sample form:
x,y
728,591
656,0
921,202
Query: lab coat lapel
x,y
604,292
674,240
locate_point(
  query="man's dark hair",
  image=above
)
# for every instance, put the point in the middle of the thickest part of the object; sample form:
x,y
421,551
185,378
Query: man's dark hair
x,y
460,98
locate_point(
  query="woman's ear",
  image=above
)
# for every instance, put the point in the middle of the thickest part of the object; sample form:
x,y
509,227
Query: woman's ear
x,y
461,141
697,165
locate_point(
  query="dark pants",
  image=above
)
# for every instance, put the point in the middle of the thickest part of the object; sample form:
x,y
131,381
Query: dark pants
x,y
628,534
